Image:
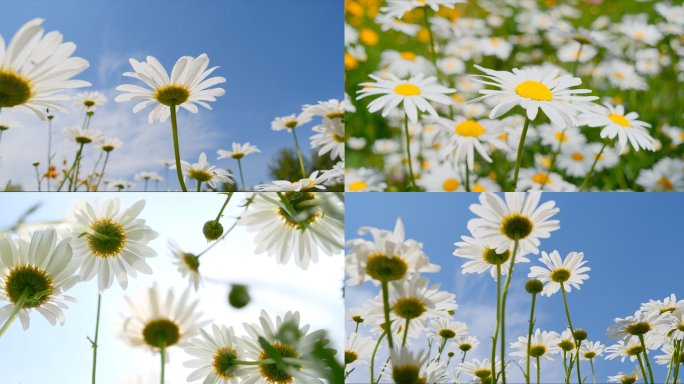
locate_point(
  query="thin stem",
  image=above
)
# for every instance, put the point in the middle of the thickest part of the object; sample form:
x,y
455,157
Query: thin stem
x,y
199,185
373,356
224,206
538,370
97,187
503,309
462,361
529,337
241,179
97,329
92,174
403,342
567,313
518,160
553,160
162,347
672,361
78,153
385,299
408,152
37,177
222,237
498,316
648,364
433,55
383,370
591,170
15,311
643,371
565,368
578,343
49,157
146,180
441,349
357,328
467,185
592,369
299,153
677,361
174,127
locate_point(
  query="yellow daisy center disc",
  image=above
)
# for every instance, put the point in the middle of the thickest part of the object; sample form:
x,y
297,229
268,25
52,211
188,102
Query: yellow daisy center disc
x,y
450,185
618,119
561,136
477,188
357,186
407,90
470,128
577,156
541,178
534,90
14,89
665,183
408,55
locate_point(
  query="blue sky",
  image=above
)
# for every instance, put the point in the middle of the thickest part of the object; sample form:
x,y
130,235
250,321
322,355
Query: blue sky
x,y
275,55
47,354
631,241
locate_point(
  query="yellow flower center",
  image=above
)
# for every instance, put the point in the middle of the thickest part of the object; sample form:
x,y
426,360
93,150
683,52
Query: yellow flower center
x,y
541,179
534,90
172,94
337,138
407,90
368,36
200,175
618,119
577,156
408,56
639,35
665,183
14,89
470,128
450,185
477,188
619,75
561,136
357,186
494,42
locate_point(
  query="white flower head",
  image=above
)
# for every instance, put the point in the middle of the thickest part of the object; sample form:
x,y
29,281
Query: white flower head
x,y
625,126
214,355
83,136
290,122
569,272
239,151
357,349
204,172
484,257
89,101
188,264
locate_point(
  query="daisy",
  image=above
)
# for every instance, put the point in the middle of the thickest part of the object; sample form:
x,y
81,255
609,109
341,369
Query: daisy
x,y
406,64
36,271
468,136
632,327
483,257
669,304
331,109
356,143
357,314
465,343
83,136
518,218
117,184
364,180
568,271
533,90
640,31
188,264
479,370
621,74
312,183
580,35
89,101
495,46
185,88
330,138
109,144
34,67
573,52
660,178
590,350
625,126
155,322
204,172
608,158
668,350
442,178
543,345
575,161
451,65
676,134
239,151
405,366
432,372
309,232
631,348
556,136
625,378
214,356
357,349
388,257
412,92
7,125
447,329
110,241
270,373
386,146
290,122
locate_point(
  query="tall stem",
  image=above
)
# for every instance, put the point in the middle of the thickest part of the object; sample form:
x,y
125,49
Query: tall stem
x,y
529,337
373,356
174,127
38,177
15,311
218,217
408,153
643,371
78,154
385,300
241,179
538,370
299,153
97,329
648,365
403,342
498,316
592,370
567,313
162,346
518,160
462,361
49,157
467,186
199,185
97,187
677,361
591,170
503,309
92,174
565,367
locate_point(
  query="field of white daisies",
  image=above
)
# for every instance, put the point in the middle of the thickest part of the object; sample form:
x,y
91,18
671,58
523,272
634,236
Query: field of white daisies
x,y
119,292
411,330
38,76
514,95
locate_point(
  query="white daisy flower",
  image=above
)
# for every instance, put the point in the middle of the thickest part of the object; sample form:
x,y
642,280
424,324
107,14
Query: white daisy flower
x,y
669,304
413,92
444,329
631,348
351,35
533,90
405,366
283,236
348,104
83,136
625,126
568,271
631,327
397,8
406,64
536,179
465,343
590,350
89,101
661,178
239,151
668,350
479,370
184,88
330,139
118,185
676,134
451,65
7,125
640,31
37,270
270,373
357,349
312,183
358,314
356,143
214,356
109,144
608,159
553,135
621,74
626,378
204,172
154,321
145,175
364,180
442,178
500,222
110,241
188,264
467,135
495,46
483,257
386,146
569,52
331,109
34,66
543,345
432,372
290,122
576,161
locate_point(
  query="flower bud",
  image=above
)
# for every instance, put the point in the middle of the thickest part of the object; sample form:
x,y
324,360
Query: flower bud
x,y
534,286
212,230
451,354
580,334
238,296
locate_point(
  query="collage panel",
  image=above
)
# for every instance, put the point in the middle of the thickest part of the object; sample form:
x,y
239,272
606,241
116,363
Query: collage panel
x,y
191,96
171,288
549,287
514,95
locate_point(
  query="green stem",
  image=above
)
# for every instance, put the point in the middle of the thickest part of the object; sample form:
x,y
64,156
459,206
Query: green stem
x,y
408,153
591,170
383,371
462,361
565,368
97,187
648,364
643,371
224,235
529,337
162,347
441,349
199,185
241,179
592,369
385,300
78,153
498,316
672,361
578,343
403,342
538,370
37,177
230,194
357,328
174,127
15,311
518,160
92,174
433,55
677,362
503,309
467,186
373,356
299,153
97,329
567,313
49,159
